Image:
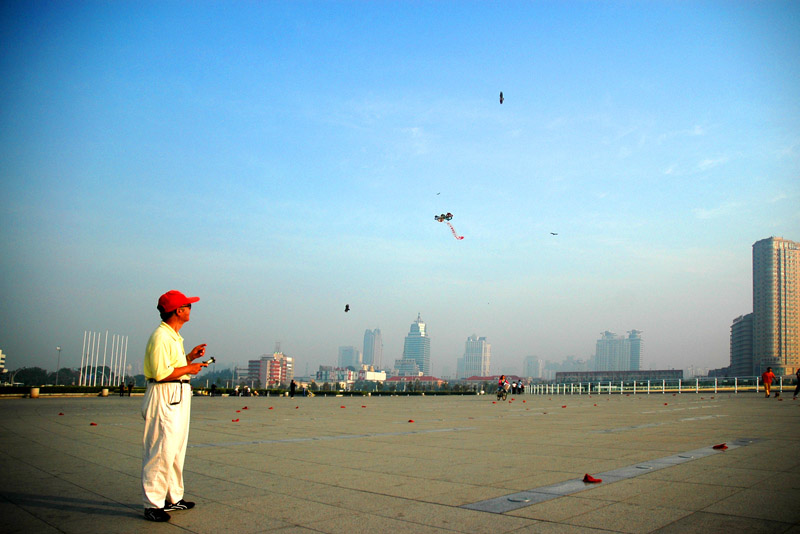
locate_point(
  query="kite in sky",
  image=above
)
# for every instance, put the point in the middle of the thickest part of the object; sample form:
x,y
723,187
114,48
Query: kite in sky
x,y
346,307
501,97
447,217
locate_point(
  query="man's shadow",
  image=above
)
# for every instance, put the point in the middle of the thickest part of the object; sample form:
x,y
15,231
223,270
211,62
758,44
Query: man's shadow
x,y
71,504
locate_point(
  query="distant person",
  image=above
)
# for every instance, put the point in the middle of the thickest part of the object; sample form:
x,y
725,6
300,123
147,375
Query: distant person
x,y
767,377
213,389
122,390
502,383
167,407
130,388
797,387
236,391
292,388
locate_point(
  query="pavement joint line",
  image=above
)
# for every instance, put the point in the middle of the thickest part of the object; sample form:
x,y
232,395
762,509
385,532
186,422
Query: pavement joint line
x,y
328,438
651,425
514,501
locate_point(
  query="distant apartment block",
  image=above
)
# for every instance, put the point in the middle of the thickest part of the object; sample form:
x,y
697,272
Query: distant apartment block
x,y
407,367
350,357
335,375
271,369
776,305
533,367
417,346
618,353
742,346
477,357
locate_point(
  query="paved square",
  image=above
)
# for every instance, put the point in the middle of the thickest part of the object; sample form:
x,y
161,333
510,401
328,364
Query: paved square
x,y
359,464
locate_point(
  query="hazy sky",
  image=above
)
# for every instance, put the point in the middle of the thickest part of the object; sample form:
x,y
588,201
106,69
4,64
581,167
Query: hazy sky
x,y
283,159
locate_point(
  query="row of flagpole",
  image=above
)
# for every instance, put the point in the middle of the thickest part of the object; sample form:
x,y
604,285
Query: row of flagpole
x,y
90,358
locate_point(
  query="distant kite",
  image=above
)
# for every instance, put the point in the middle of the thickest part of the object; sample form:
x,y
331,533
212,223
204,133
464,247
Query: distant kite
x,y
346,308
553,233
501,97
447,217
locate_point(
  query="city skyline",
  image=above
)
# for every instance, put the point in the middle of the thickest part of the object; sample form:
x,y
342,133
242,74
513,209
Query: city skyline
x,y
283,160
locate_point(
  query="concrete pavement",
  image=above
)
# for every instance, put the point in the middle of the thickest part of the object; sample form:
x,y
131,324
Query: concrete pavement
x,y
415,465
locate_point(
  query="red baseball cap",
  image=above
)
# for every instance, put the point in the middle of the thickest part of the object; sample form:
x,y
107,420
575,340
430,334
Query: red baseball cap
x,y
172,300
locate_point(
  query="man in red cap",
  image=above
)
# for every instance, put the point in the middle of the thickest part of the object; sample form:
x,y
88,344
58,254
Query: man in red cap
x,y
167,407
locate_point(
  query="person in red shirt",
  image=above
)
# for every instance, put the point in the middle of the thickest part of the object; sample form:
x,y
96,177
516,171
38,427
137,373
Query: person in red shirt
x,y
797,388
767,379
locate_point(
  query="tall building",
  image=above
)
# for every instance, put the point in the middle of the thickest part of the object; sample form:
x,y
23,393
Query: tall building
x,y
617,353
271,369
349,357
476,359
417,346
742,346
776,305
533,367
373,348
634,342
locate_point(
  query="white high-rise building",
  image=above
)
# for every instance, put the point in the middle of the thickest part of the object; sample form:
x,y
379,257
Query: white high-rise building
x,y
618,353
477,357
417,346
776,305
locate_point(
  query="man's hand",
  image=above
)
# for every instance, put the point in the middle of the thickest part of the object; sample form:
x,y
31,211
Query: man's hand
x,y
197,352
194,368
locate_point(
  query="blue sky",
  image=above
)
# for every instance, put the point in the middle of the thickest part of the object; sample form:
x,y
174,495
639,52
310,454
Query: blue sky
x,y
283,159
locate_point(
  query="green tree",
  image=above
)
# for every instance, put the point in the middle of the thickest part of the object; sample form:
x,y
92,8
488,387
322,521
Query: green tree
x,y
32,376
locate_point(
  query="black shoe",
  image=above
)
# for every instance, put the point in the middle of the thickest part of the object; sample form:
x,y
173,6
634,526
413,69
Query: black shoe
x,y
180,505
156,514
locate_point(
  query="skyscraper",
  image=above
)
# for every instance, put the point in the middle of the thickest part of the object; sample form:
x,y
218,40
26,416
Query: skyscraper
x,y
350,357
776,305
634,343
476,359
742,346
417,346
617,353
533,367
373,348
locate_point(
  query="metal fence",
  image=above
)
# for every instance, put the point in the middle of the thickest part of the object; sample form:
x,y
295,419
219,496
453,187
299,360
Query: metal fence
x,y
634,387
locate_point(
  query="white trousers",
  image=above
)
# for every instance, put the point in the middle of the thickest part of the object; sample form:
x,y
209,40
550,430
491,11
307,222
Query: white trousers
x,y
166,410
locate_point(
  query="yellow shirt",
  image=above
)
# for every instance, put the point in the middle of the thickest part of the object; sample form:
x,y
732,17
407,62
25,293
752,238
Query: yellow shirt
x,y
164,353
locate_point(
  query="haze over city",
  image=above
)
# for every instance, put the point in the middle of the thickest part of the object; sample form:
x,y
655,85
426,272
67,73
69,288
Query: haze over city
x,y
282,160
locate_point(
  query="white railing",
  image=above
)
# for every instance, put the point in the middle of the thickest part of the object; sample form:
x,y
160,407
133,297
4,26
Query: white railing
x,y
693,385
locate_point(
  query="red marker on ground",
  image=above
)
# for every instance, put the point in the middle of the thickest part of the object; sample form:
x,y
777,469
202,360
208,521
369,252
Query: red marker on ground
x,y
720,447
591,480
